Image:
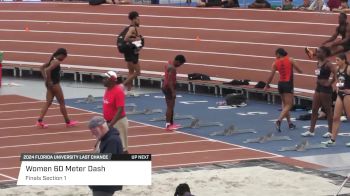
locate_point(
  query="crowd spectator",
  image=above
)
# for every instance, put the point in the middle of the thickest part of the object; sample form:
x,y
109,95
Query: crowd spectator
x,y
287,5
316,5
343,7
99,2
333,4
230,3
222,3
260,4
306,4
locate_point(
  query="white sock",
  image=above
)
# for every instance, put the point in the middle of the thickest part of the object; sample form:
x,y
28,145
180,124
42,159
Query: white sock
x,y
167,124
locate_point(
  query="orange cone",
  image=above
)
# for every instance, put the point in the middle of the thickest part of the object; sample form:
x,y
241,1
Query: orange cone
x,y
198,38
27,29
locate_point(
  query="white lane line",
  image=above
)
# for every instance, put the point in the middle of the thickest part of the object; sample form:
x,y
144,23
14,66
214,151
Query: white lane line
x,y
47,143
193,8
19,103
196,151
29,126
146,48
162,27
175,38
168,17
6,176
79,131
211,162
10,111
167,38
31,117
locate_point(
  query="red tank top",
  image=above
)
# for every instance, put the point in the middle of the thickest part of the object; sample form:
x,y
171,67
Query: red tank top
x,y
167,77
285,69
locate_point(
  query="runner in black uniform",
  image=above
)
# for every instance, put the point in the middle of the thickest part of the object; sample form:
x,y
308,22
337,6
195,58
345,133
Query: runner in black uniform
x,y
343,98
340,30
339,46
51,72
323,92
133,39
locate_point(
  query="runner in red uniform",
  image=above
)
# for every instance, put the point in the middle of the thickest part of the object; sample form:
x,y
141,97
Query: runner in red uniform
x,y
284,65
169,89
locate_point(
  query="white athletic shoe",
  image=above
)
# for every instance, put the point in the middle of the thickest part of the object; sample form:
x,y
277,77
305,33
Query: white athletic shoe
x,y
327,135
308,134
343,118
329,143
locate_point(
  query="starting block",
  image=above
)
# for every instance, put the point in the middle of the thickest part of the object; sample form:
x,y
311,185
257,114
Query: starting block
x,y
132,94
195,124
303,146
176,117
231,130
127,107
145,111
131,110
267,138
89,99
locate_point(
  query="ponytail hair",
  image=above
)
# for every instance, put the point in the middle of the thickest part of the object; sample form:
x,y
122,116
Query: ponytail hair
x,y
60,51
281,52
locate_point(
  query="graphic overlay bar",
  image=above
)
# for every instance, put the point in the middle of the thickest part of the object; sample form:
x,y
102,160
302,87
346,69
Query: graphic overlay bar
x,y
85,169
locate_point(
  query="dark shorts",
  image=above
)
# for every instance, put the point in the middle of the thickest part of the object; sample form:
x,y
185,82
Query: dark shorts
x,y
346,46
342,95
285,87
167,93
131,56
55,81
324,89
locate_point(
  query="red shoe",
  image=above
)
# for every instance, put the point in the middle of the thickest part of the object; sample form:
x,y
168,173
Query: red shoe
x,y
309,52
71,123
178,126
171,128
41,125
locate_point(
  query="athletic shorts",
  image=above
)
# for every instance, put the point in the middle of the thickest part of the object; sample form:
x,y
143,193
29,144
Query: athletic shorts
x,y
285,87
131,57
346,46
167,93
324,89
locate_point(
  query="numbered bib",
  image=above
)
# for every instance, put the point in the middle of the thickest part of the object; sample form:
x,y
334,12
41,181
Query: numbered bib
x,y
317,72
340,84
